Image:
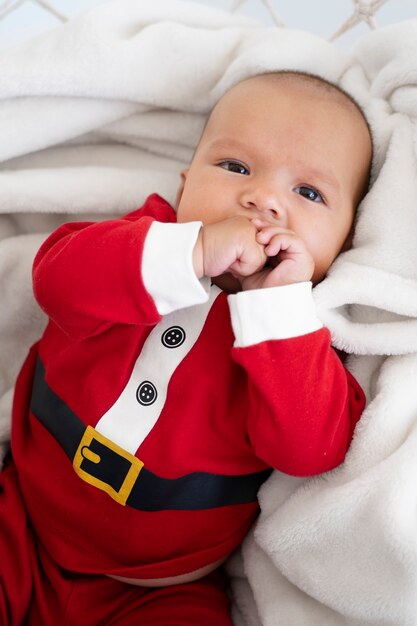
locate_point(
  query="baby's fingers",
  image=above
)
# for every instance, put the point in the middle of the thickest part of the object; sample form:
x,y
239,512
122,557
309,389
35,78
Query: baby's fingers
x,y
279,240
284,242
266,231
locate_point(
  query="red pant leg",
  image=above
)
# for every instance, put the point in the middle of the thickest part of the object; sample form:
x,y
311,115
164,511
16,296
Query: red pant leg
x,y
201,603
102,601
17,551
35,591
31,585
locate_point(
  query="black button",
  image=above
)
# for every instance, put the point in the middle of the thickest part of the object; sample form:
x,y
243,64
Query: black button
x,y
146,393
173,337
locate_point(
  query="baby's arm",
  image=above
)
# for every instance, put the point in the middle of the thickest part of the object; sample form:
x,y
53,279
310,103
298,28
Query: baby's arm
x,y
303,404
88,276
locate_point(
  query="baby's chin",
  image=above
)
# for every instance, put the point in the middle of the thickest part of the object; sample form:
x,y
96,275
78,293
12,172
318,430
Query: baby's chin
x,y
227,283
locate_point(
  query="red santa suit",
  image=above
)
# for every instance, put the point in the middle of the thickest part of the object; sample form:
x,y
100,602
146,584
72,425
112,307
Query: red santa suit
x,y
155,405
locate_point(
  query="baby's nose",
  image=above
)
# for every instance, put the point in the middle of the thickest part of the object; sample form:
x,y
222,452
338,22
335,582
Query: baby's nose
x,y
265,201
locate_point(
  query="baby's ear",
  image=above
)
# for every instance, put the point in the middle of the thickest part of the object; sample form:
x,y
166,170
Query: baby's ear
x,y
183,175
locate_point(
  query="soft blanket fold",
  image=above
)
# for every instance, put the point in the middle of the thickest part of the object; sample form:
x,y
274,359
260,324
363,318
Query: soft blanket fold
x,y
106,109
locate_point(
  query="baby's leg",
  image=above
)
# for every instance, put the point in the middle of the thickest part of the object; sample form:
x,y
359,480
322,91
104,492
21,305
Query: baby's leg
x,y
35,591
101,600
203,603
17,551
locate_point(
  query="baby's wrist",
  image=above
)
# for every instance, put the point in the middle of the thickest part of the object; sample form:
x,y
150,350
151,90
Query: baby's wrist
x,y
198,255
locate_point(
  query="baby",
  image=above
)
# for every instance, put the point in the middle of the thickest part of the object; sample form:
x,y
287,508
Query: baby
x,y
182,361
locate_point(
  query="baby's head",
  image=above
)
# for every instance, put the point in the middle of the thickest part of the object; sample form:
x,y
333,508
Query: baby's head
x,y
290,146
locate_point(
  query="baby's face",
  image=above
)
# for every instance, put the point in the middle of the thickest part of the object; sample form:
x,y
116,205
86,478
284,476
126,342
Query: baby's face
x,y
287,151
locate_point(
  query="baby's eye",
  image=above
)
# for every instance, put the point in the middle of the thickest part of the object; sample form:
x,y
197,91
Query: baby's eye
x,y
309,193
235,166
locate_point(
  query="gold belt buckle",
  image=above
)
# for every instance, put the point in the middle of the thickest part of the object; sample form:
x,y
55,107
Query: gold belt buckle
x,y
92,451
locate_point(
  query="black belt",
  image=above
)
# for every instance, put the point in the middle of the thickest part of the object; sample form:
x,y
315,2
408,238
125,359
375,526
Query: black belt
x,y
104,464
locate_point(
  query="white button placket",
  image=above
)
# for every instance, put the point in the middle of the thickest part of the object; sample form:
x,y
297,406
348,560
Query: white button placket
x,y
135,412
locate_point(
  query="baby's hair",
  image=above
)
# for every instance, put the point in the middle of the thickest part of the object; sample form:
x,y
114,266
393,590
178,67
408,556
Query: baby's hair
x,y
321,83
315,81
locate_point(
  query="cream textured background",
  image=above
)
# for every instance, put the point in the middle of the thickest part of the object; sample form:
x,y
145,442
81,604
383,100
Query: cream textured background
x,y
25,18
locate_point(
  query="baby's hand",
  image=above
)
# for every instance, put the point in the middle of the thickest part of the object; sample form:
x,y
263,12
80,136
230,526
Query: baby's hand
x,y
289,260
229,246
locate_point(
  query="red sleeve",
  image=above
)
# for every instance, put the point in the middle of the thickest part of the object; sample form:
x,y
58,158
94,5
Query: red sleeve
x,y
303,403
86,275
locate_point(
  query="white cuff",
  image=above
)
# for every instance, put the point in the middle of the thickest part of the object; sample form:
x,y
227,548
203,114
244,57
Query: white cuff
x,y
167,267
274,313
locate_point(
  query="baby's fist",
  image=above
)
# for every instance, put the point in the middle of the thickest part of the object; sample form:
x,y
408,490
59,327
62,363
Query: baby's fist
x,y
228,246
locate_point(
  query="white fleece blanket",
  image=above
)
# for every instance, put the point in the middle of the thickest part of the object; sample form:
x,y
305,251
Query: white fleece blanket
x,y
99,113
